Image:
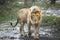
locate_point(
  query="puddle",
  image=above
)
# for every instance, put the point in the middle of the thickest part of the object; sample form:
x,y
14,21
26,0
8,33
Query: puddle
x,y
13,33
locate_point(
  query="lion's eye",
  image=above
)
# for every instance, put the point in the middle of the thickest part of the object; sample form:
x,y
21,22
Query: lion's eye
x,y
32,15
37,15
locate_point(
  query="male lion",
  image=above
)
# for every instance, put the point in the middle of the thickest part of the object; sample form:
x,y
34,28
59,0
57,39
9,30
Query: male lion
x,y
31,16
35,18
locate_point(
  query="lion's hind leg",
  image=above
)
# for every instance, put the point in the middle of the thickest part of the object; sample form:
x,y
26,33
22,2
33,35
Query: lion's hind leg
x,y
29,29
22,28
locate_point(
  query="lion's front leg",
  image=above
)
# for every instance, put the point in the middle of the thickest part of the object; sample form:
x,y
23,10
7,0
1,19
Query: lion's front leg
x,y
36,32
22,29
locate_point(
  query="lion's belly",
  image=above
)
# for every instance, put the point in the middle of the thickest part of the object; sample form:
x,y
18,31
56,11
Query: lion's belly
x,y
23,18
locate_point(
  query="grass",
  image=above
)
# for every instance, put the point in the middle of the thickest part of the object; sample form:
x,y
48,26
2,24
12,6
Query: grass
x,y
8,16
50,21
11,12
47,20
41,4
45,5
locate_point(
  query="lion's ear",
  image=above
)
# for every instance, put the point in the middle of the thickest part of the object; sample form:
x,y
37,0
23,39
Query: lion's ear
x,y
29,10
41,11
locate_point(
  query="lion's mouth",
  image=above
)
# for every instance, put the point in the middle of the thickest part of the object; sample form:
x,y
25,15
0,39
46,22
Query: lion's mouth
x,y
35,21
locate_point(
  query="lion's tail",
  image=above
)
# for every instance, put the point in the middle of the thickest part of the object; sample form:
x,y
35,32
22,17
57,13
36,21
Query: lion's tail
x,y
15,24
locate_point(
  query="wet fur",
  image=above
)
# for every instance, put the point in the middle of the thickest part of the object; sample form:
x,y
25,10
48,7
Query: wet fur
x,y
25,16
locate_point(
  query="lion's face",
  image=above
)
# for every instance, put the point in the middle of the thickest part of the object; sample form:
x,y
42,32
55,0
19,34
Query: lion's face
x,y
35,16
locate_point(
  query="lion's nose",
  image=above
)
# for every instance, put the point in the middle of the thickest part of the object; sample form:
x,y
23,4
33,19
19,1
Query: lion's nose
x,y
35,20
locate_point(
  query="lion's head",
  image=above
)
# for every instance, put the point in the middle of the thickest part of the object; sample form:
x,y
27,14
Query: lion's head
x,y
35,15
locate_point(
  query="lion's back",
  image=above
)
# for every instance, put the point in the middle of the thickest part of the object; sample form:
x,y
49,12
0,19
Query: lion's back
x,y
23,13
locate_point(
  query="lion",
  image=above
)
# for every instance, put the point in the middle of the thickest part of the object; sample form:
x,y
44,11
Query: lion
x,y
35,18
31,16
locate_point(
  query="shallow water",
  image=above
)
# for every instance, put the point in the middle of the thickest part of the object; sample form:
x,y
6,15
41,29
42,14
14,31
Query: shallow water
x,y
13,33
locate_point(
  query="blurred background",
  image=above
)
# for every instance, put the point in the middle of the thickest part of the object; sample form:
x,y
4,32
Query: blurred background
x,y
50,26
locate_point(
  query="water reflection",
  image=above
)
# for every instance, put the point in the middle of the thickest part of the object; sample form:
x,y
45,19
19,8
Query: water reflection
x,y
44,33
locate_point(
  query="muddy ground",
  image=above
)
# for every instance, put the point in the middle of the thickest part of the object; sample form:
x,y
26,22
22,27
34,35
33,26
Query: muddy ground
x,y
13,33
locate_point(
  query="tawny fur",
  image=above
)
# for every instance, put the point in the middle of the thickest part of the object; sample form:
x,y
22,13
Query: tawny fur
x,y
31,16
